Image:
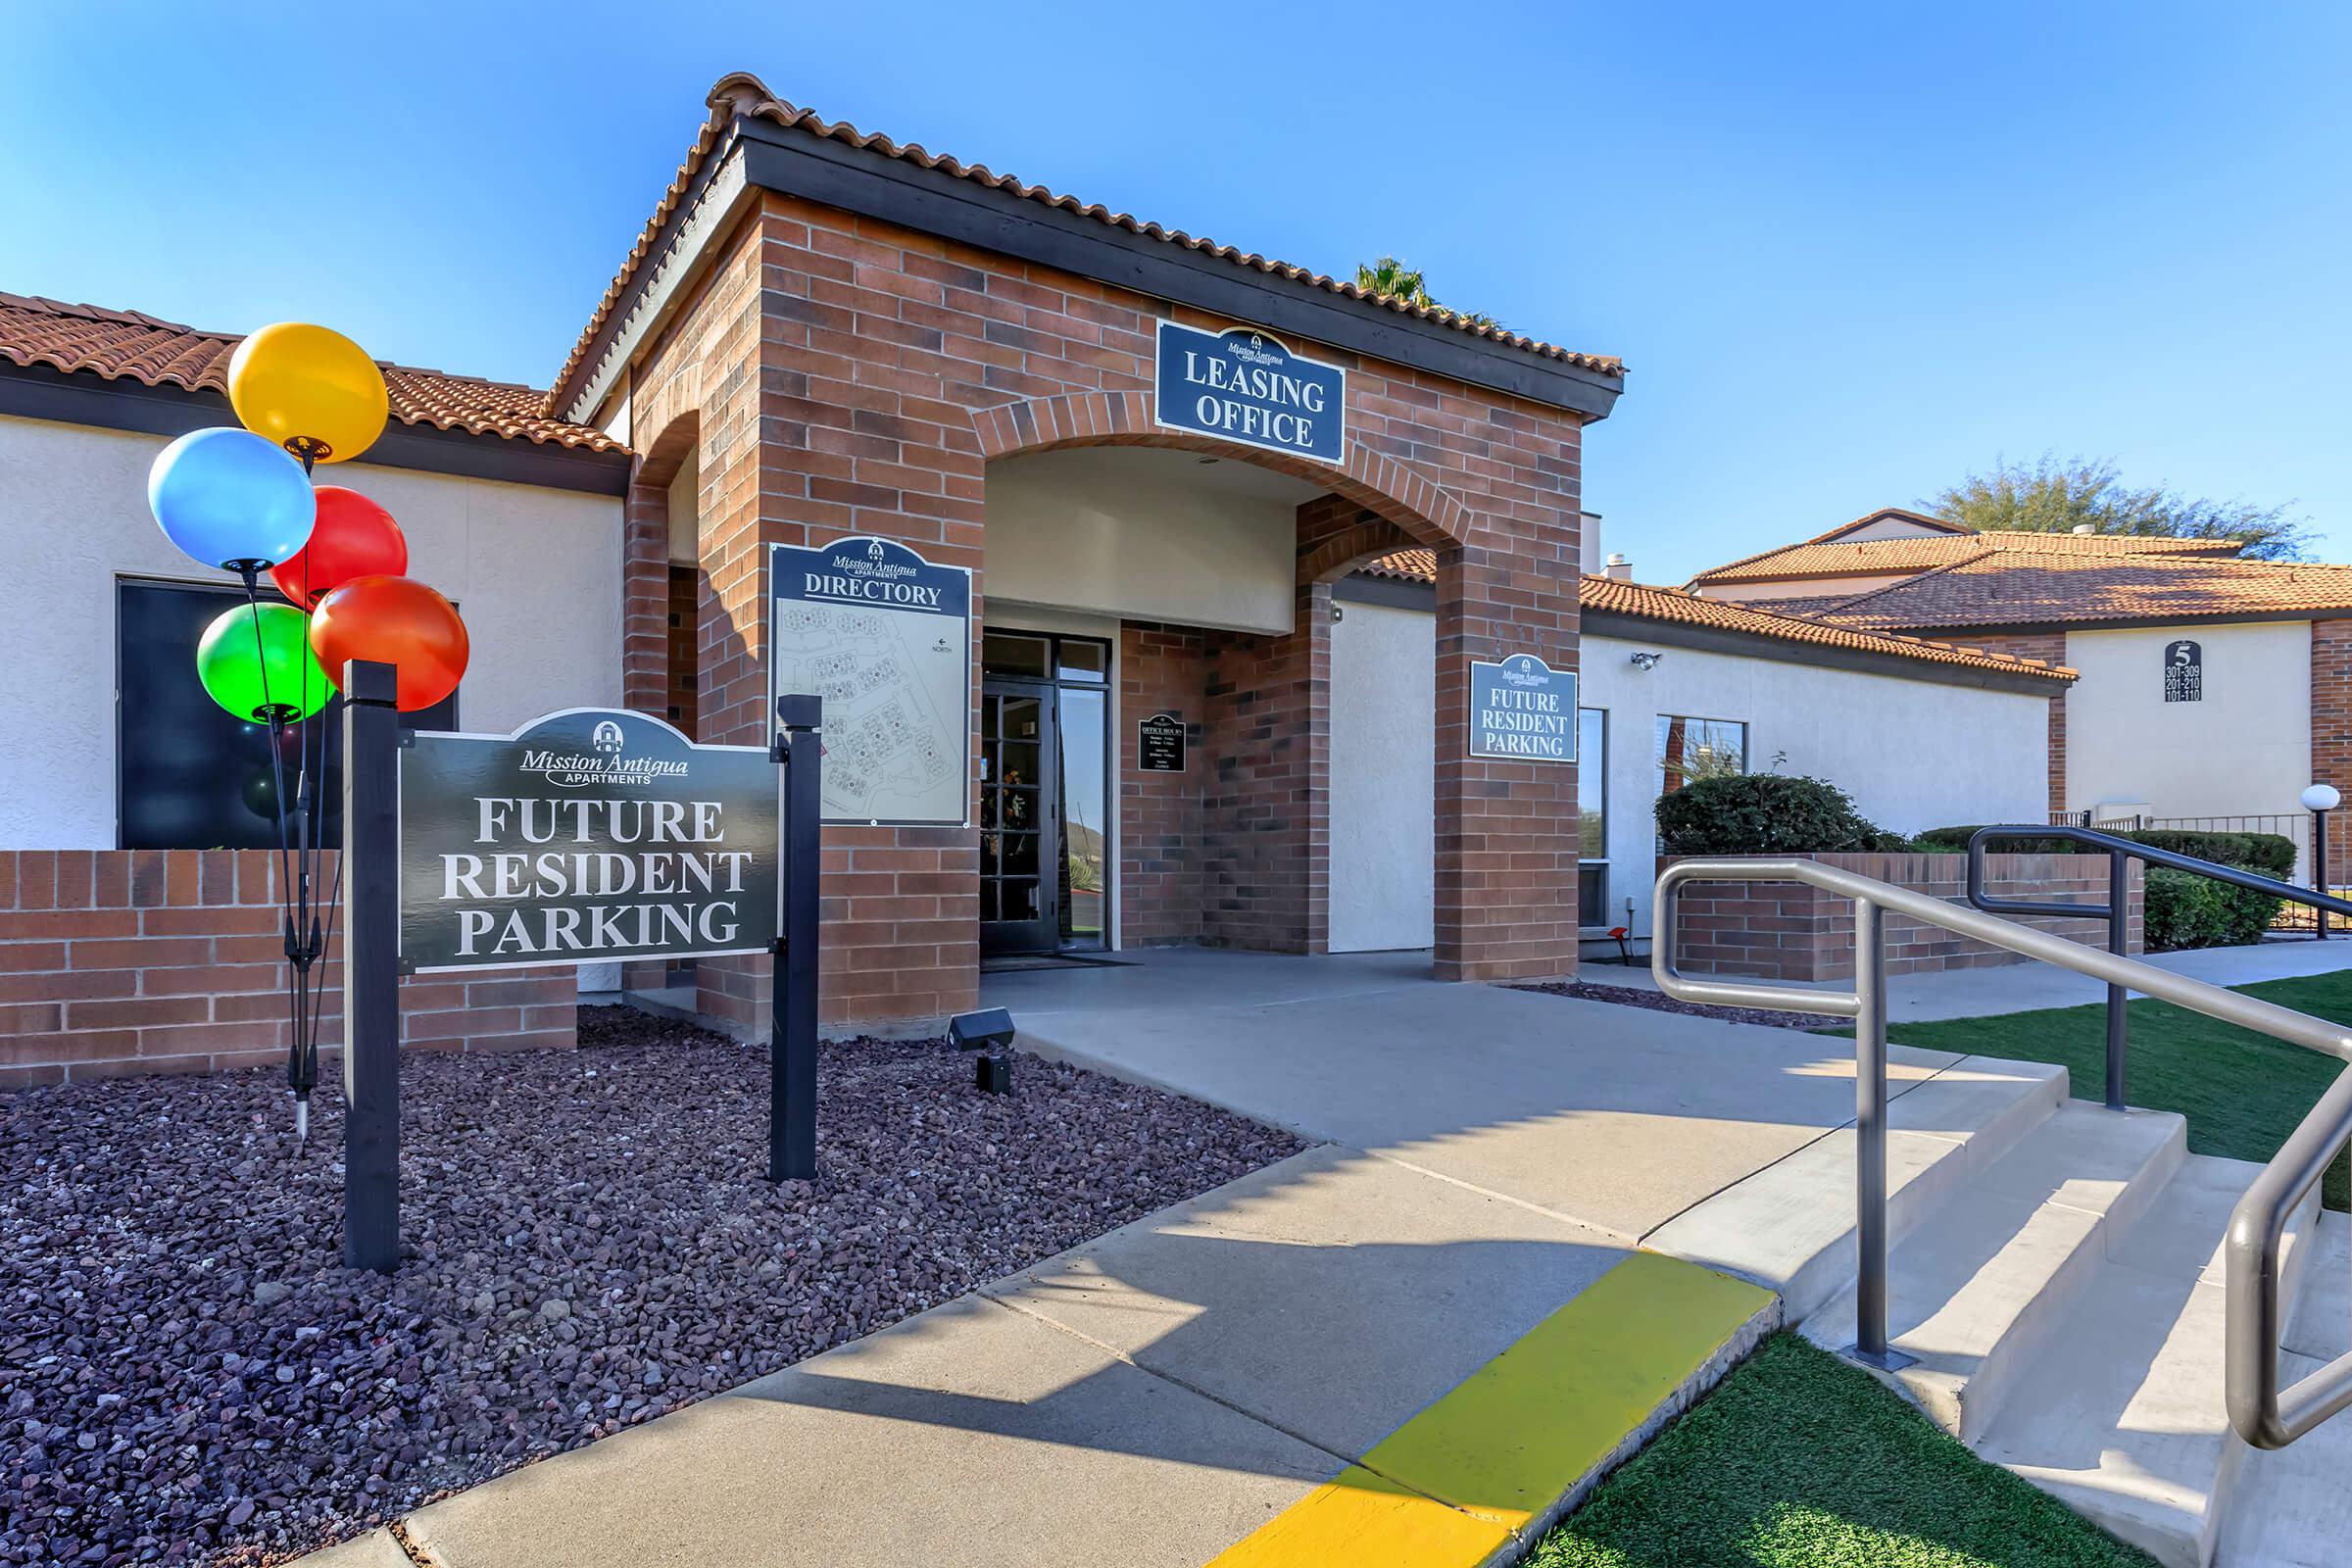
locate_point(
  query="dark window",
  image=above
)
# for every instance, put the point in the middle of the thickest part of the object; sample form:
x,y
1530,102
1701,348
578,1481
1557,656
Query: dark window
x,y
192,776
1592,894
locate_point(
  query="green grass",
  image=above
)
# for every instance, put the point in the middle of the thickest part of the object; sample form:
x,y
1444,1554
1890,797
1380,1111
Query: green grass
x,y
1798,1461
2241,1092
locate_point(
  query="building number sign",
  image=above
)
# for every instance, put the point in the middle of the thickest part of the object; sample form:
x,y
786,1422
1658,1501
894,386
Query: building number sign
x,y
2184,672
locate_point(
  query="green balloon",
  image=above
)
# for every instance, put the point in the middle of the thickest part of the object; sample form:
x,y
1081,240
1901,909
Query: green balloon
x,y
249,674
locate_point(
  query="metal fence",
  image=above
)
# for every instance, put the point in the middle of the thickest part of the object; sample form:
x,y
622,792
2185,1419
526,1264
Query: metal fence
x,y
2295,827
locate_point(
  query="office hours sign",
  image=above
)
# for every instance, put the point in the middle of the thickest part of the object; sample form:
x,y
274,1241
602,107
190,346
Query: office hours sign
x,y
1245,386
587,835
1523,710
885,637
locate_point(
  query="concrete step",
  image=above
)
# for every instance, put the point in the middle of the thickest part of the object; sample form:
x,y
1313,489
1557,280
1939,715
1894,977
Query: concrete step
x,y
2126,1423
1790,1225
1984,1282
2291,1508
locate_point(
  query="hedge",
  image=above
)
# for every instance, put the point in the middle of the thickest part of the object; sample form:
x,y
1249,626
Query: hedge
x,y
2184,910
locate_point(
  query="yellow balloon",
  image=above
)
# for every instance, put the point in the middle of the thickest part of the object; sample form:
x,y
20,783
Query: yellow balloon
x,y
302,386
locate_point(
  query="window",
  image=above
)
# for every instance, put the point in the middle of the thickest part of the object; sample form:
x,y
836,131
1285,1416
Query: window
x,y
1693,749
191,776
1592,816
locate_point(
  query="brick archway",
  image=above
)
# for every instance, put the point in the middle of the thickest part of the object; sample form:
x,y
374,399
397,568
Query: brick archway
x,y
1245,859
1425,510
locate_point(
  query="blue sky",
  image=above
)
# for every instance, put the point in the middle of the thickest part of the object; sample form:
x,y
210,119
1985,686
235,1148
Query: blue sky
x,y
1849,251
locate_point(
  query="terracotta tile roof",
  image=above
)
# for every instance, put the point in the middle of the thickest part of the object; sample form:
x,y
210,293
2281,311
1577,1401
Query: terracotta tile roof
x,y
742,93
1830,558
1650,602
2014,588
127,345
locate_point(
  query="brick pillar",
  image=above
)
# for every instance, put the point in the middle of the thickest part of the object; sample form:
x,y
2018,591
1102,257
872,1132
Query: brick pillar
x,y
1506,831
2331,733
645,596
1159,886
803,442
1266,856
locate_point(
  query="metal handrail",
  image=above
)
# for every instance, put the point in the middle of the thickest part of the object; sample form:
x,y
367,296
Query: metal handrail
x,y
2261,1413
2116,911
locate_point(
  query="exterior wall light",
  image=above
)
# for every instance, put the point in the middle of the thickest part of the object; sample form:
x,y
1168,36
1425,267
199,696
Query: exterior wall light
x,y
1646,660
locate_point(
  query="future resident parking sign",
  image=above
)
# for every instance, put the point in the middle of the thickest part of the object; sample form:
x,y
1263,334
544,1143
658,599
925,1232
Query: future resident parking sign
x,y
1245,386
588,834
1522,709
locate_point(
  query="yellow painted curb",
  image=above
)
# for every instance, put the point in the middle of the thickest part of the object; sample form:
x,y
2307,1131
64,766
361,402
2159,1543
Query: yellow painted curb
x,y
1449,1487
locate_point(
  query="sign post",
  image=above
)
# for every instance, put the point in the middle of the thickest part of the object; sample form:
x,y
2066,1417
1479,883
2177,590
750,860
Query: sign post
x,y
587,835
371,968
792,986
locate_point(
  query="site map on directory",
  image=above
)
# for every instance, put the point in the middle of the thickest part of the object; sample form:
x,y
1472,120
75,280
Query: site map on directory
x,y
884,637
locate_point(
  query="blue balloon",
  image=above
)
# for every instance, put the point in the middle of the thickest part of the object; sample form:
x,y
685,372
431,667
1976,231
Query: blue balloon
x,y
226,495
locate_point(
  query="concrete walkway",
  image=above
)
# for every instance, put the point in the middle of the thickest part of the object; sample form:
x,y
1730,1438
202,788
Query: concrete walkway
x,y
2031,987
1357,1355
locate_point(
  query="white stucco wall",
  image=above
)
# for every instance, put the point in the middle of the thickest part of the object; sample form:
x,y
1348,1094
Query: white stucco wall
x,y
535,572
2243,751
1383,778
1144,533
1913,753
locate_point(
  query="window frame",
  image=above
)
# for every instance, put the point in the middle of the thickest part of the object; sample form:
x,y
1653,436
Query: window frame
x,y
231,594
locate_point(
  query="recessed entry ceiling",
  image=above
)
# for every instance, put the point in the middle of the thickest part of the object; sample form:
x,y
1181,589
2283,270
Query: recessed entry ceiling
x,y
1159,468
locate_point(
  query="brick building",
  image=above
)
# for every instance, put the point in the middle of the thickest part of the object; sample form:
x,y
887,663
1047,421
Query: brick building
x,y
825,340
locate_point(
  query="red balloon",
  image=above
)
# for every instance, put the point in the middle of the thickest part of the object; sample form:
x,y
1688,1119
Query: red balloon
x,y
353,537
397,621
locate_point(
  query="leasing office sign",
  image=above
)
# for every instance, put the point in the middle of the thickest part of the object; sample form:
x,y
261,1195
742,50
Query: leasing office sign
x,y
1245,386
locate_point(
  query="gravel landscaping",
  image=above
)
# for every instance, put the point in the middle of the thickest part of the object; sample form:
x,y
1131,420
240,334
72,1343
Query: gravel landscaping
x,y
187,1373
1660,1001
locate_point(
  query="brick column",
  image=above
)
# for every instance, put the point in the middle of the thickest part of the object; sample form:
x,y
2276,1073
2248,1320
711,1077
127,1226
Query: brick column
x,y
2331,733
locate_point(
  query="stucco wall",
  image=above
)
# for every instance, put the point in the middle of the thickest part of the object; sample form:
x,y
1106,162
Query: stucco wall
x,y
1383,777
536,572
1912,754
2245,749
1146,535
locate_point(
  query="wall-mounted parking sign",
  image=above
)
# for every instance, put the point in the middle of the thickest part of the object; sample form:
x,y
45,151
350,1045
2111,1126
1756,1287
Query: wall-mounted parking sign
x,y
1523,710
1246,385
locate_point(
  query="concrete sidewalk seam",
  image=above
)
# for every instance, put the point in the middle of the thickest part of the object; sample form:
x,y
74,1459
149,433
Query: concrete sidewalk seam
x,y
1826,1133
987,1292
1622,1238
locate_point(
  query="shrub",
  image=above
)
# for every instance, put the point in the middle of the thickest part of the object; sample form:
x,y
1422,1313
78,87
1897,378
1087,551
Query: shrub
x,y
2183,910
1765,814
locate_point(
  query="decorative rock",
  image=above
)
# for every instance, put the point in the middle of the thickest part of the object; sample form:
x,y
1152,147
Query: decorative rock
x,y
625,1199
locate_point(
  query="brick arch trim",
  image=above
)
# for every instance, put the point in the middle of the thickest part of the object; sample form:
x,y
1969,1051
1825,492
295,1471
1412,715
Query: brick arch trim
x,y
1428,513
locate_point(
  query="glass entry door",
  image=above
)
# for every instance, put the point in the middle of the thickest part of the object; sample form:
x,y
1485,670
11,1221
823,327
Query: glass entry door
x,y
1021,818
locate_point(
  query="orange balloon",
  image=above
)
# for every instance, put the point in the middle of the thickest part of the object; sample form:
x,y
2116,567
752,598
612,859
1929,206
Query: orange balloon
x,y
397,621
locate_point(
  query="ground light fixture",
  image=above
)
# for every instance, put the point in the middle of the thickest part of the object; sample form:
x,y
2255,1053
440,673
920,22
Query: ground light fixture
x,y
990,1032
2319,800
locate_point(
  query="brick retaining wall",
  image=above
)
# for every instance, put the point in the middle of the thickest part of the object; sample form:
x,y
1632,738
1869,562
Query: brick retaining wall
x,y
116,961
1789,931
